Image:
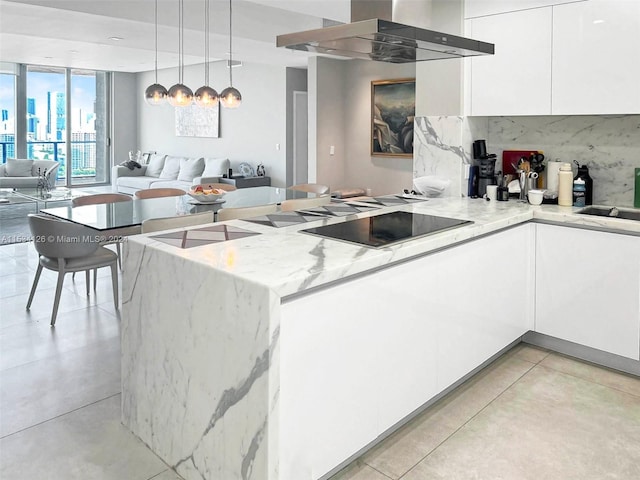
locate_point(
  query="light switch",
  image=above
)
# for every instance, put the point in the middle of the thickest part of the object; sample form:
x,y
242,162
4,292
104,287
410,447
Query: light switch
x,y
332,150
277,146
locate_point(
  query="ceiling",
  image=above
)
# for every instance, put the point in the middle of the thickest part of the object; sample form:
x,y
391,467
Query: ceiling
x,y
79,33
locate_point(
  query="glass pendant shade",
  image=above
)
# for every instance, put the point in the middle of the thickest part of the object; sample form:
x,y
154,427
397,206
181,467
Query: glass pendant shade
x,y
180,95
206,97
230,98
155,94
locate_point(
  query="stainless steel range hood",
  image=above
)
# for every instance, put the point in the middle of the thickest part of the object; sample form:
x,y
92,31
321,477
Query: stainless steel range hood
x,y
383,41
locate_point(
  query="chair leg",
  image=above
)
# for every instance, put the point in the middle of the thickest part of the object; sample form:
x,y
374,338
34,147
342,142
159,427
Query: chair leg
x,y
95,279
87,275
73,276
56,300
119,255
35,284
114,284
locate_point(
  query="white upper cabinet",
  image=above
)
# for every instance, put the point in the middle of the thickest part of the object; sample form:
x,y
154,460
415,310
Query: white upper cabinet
x,y
480,8
517,79
596,57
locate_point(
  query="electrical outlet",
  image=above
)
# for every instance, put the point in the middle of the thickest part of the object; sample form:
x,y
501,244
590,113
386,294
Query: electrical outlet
x,y
332,150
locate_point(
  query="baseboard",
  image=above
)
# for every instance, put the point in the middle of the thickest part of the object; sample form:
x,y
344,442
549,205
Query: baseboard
x,y
588,354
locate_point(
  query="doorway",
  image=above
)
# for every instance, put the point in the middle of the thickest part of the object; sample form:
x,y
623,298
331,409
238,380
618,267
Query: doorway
x,y
300,138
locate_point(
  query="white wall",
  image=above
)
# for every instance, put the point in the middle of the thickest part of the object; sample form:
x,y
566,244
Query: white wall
x,y
326,121
247,134
124,134
382,174
340,116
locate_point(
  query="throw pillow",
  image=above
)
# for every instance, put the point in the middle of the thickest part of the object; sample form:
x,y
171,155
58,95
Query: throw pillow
x,y
215,167
155,165
18,168
131,164
190,168
171,168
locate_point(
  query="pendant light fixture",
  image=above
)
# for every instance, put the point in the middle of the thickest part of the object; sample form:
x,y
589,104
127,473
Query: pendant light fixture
x,y
206,96
155,94
230,97
180,95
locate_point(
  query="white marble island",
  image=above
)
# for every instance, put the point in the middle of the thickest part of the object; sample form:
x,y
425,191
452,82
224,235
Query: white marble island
x,y
280,355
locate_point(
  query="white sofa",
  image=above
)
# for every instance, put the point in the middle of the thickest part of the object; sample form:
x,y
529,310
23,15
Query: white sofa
x,y
23,173
166,171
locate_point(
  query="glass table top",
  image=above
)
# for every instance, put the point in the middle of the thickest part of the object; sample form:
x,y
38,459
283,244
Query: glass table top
x,y
109,216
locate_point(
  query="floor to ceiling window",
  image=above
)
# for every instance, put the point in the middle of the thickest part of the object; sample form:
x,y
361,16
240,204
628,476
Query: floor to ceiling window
x,y
47,116
89,149
8,116
67,121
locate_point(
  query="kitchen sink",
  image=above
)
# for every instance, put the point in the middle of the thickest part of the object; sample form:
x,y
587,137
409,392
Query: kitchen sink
x,y
611,212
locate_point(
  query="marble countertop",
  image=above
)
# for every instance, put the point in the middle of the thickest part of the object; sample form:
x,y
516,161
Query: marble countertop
x,y
288,261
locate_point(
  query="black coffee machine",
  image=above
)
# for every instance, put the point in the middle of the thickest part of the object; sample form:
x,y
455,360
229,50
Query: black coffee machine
x,y
484,170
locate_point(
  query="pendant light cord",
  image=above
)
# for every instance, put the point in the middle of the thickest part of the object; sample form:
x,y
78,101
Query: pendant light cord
x,y
156,62
230,46
206,45
180,41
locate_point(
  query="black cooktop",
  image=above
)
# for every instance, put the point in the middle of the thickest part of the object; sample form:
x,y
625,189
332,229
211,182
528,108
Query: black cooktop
x,y
387,228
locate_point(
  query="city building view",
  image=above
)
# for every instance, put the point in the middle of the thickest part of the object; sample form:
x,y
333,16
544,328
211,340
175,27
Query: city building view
x,y
52,119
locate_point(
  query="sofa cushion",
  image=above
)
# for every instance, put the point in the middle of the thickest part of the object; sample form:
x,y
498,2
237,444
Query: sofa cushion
x,y
155,165
18,182
190,168
171,168
18,168
136,182
215,167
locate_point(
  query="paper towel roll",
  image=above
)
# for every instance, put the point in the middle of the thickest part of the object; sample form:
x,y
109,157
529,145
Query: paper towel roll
x,y
552,175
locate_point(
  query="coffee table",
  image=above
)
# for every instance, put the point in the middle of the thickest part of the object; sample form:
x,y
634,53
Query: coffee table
x,y
50,198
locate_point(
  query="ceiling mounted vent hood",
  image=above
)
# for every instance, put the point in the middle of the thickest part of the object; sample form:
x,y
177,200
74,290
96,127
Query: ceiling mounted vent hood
x,y
382,39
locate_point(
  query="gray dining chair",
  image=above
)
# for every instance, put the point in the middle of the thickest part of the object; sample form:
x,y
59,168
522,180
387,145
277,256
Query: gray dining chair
x,y
167,223
68,247
159,192
317,188
302,203
100,198
245,212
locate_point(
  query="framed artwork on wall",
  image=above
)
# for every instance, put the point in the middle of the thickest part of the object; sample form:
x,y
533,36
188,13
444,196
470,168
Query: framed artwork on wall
x,y
197,121
393,108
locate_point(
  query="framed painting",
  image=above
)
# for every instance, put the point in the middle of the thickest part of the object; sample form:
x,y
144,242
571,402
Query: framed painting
x,y
393,108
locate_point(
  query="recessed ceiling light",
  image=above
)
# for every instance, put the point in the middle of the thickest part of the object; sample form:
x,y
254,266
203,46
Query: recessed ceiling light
x,y
116,39
73,51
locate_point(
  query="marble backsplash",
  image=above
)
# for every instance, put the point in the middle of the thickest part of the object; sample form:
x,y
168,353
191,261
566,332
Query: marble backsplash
x,y
609,145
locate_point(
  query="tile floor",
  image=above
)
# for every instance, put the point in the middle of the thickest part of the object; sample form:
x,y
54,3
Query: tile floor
x,y
531,414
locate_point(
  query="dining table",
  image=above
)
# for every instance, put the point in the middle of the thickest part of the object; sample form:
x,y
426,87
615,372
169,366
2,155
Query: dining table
x,y
121,215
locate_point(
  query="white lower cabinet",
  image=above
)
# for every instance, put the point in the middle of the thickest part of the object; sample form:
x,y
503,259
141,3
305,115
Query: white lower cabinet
x,y
588,288
358,357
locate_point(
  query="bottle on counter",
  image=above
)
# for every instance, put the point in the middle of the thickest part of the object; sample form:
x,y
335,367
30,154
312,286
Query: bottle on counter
x,y
583,173
565,185
579,192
